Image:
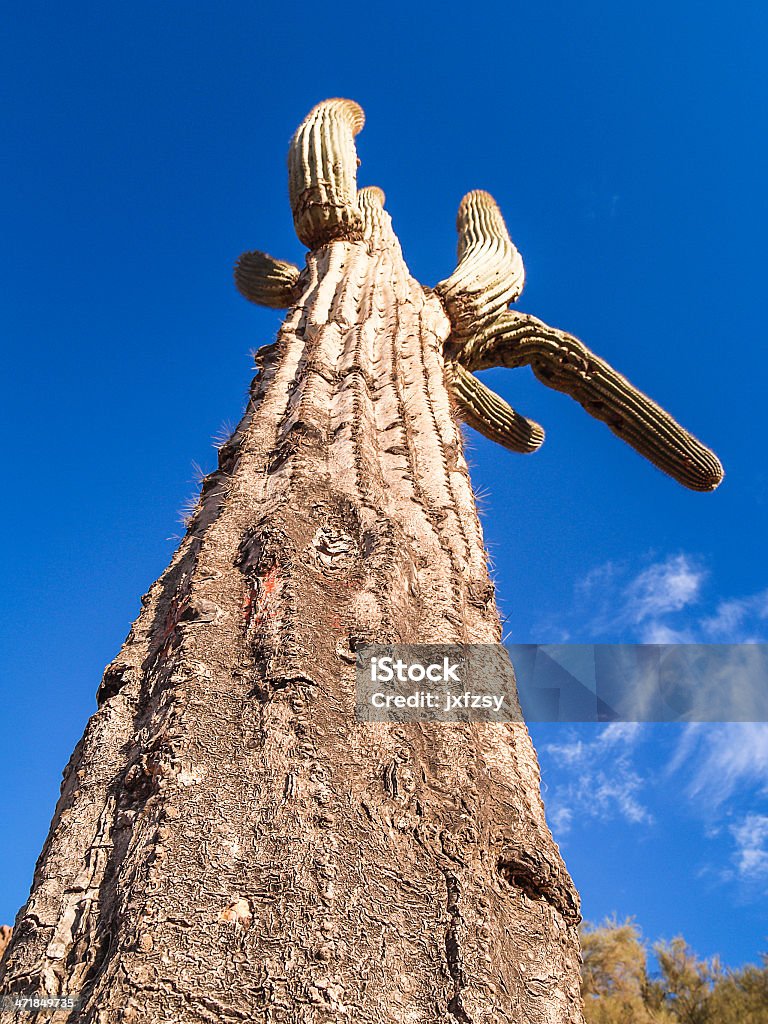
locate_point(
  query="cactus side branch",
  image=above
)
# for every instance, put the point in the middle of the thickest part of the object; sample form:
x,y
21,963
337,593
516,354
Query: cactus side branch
x,y
265,280
562,362
488,413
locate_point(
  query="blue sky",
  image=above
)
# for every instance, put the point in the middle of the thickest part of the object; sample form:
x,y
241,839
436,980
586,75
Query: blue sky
x,y
144,149
665,822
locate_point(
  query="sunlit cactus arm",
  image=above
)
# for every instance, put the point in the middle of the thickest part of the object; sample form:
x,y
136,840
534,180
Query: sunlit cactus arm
x,y
322,173
488,413
490,273
562,362
266,281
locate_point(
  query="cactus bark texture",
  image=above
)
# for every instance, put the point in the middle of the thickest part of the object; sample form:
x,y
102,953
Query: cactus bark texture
x,y
230,845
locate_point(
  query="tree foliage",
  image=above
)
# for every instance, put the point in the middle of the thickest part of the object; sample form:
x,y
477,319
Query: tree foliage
x,y
619,987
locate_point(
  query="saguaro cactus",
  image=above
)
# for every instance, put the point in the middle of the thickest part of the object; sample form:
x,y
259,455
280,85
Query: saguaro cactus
x,y
229,843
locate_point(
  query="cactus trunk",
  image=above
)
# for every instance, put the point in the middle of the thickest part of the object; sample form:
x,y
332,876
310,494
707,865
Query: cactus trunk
x,y
230,844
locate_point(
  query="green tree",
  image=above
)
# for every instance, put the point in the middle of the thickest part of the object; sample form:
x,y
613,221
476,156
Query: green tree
x,y
617,988
687,981
741,997
615,982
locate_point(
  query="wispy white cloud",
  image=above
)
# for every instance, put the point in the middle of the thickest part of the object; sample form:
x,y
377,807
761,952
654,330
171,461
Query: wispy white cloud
x,y
629,606
737,618
667,586
750,837
600,781
664,601
721,759
727,783
656,632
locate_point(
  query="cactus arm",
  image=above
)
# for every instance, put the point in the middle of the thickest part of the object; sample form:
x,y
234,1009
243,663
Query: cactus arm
x,y
562,362
377,223
490,272
322,173
488,413
266,281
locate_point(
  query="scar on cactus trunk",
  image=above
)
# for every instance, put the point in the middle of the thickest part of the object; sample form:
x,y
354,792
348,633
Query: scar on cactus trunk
x,y
230,844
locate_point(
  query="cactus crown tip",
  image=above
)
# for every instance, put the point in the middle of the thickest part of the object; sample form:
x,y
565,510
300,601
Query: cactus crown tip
x,y
351,110
479,196
372,194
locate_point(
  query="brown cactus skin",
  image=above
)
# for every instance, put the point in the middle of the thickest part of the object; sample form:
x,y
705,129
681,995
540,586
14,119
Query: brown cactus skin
x,y
486,334
322,167
488,414
490,272
267,281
